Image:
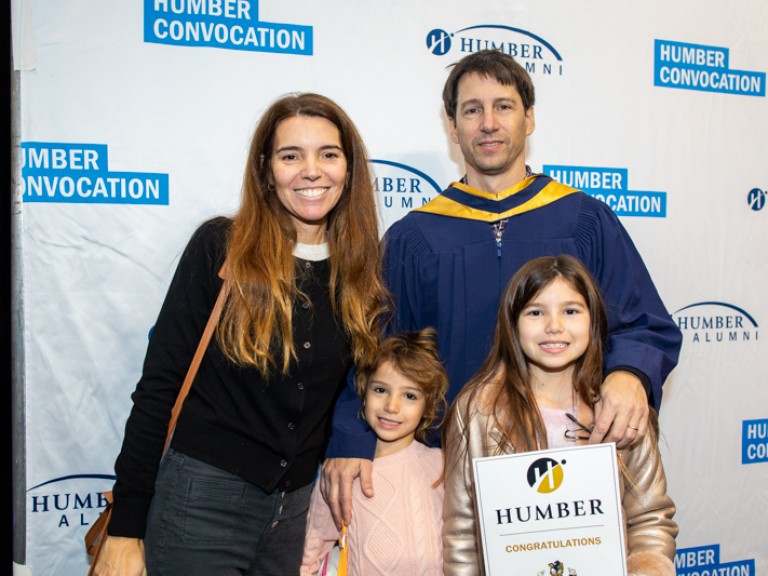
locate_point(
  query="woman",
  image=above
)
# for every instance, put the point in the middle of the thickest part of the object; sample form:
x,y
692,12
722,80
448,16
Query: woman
x,y
306,301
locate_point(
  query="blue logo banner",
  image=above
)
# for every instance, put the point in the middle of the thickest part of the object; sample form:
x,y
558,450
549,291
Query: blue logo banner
x,y
226,24
78,174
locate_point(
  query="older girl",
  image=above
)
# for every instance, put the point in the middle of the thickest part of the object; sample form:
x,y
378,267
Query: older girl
x,y
537,389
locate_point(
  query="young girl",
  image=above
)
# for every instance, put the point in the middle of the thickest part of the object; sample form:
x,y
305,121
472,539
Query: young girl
x,y
545,363
398,530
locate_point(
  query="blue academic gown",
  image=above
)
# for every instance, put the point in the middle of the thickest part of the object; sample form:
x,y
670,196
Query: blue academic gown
x,y
447,269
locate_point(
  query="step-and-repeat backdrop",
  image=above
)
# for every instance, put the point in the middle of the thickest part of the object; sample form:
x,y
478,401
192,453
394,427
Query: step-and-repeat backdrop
x,y
135,121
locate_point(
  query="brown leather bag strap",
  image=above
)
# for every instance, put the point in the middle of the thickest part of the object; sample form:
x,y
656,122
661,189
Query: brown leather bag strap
x,y
97,534
205,339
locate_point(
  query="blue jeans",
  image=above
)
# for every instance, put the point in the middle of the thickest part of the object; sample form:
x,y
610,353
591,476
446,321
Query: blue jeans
x,y
205,521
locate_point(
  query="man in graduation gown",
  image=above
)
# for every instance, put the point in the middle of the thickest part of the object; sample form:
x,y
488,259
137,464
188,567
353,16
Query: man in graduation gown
x,y
448,262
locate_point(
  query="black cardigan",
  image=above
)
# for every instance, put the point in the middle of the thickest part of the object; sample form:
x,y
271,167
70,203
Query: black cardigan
x,y
270,432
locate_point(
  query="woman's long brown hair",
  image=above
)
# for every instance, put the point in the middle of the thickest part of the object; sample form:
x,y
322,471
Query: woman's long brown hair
x,y
258,318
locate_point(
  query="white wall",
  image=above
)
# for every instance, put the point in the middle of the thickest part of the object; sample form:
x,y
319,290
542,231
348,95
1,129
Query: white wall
x,y
180,116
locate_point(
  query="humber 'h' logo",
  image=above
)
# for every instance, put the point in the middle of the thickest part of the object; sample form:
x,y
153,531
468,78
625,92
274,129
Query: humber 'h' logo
x,y
756,199
546,475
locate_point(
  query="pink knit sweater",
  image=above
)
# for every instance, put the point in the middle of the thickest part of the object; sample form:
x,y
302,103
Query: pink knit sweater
x,y
398,531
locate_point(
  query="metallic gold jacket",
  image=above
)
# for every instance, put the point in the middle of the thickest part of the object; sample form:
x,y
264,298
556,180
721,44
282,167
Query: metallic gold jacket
x,y
649,530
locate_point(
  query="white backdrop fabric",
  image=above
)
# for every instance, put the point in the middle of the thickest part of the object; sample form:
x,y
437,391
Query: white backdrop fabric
x,y
135,122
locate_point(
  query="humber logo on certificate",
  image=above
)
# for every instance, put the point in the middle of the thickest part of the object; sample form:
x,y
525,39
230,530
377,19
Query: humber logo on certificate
x,y
551,512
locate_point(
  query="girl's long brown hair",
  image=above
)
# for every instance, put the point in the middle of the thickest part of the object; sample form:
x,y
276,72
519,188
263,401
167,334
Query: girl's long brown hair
x,y
513,406
256,324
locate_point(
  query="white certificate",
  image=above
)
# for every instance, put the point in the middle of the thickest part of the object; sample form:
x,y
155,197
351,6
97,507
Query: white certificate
x,y
551,512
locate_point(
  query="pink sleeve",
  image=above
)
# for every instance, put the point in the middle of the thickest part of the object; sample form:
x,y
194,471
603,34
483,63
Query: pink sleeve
x,y
321,534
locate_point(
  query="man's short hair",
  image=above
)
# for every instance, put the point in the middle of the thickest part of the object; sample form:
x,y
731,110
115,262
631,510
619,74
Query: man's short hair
x,y
491,64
